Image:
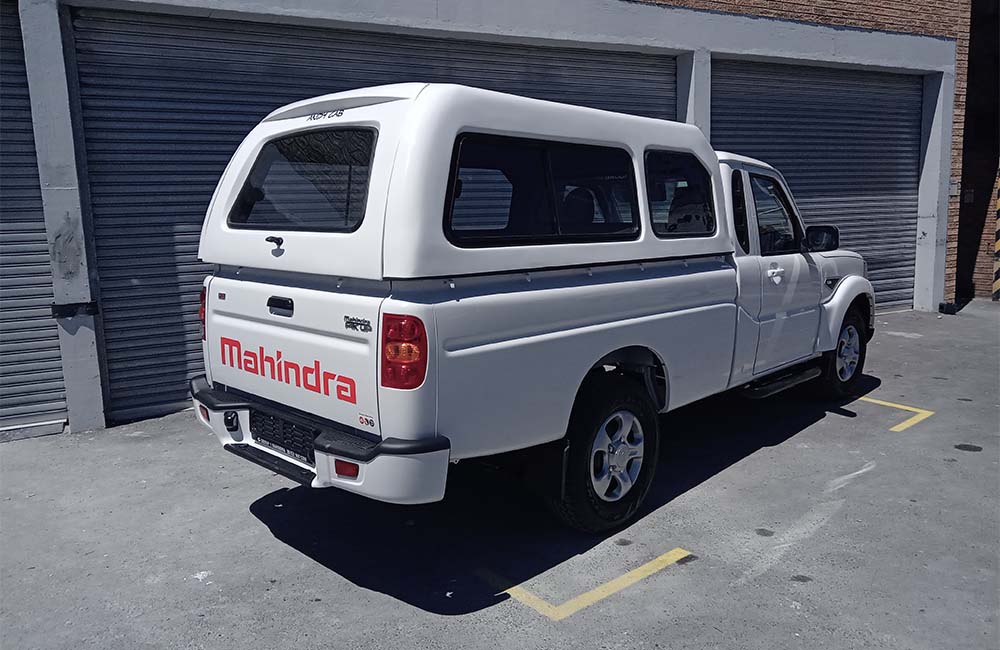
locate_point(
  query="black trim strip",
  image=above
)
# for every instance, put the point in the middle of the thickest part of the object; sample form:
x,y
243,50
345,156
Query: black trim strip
x,y
271,462
782,381
566,267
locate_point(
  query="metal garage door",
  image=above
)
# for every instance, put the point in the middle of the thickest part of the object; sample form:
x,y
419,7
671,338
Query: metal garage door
x,y
166,100
31,379
849,144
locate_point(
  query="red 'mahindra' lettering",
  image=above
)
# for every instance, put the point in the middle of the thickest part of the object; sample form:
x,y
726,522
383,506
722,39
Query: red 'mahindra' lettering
x,y
311,377
232,353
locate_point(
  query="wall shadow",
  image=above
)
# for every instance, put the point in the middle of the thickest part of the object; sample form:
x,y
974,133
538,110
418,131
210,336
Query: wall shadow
x,y
433,556
980,155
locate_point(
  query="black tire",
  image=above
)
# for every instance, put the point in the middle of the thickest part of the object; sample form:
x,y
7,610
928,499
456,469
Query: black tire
x,y
602,396
830,383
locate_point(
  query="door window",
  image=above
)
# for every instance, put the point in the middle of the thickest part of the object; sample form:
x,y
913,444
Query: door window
x,y
775,222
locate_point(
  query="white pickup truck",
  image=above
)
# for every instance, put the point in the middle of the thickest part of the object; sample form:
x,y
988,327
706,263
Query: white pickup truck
x,y
412,275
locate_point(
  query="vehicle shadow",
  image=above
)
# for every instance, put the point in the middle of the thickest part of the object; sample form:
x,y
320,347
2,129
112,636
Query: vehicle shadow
x,y
490,532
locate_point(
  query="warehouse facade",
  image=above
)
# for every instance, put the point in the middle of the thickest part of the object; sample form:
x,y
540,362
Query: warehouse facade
x,y
118,117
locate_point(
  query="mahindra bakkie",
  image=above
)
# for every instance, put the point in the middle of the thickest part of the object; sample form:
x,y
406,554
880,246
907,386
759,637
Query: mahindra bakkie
x,y
413,275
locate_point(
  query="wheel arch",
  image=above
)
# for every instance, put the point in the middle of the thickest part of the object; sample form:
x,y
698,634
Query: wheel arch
x,y
854,291
638,361
865,304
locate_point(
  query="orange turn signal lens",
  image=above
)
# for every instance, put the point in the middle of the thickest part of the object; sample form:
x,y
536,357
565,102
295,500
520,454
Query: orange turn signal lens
x,y
402,352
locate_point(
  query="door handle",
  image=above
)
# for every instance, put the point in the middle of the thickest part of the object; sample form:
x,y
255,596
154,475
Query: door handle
x,y
280,306
775,272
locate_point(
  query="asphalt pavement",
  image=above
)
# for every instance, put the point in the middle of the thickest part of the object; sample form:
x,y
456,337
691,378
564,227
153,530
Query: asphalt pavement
x,y
778,523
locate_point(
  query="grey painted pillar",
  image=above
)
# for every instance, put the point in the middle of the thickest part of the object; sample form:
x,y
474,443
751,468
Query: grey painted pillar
x,y
694,89
56,146
935,183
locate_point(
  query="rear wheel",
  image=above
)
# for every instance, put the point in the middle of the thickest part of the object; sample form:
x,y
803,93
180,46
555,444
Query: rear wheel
x,y
613,444
842,366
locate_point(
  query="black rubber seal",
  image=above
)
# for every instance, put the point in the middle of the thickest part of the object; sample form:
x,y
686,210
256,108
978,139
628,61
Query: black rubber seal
x,y
69,310
339,444
215,400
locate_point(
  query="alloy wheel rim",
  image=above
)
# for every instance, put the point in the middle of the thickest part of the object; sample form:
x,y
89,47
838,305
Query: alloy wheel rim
x,y
616,456
848,352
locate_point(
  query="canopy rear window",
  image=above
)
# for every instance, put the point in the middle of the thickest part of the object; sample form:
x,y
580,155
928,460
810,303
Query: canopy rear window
x,y
314,181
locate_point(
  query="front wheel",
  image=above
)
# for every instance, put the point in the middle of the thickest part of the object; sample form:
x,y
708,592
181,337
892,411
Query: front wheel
x,y
842,366
613,445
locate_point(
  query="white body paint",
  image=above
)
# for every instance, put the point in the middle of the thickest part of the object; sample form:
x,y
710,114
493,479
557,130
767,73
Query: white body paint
x,y
512,331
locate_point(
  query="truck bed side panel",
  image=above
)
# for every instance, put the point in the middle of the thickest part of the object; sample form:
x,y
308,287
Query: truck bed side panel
x,y
514,349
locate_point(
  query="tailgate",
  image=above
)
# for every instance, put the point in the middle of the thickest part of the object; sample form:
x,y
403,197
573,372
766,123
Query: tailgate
x,y
309,348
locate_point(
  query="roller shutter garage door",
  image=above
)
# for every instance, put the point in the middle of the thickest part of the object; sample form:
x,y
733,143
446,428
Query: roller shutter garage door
x,y
167,99
847,141
32,395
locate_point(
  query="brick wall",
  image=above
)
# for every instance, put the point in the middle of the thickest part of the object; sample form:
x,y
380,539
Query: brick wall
x,y
989,257
948,18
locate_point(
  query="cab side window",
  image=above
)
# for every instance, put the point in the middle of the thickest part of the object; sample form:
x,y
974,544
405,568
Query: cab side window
x,y
776,225
680,195
740,212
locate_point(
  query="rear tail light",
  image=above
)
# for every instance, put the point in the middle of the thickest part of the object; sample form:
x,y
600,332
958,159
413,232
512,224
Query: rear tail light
x,y
201,313
404,351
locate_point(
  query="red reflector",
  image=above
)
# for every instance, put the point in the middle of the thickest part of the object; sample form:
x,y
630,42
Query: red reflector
x,y
404,351
344,468
204,412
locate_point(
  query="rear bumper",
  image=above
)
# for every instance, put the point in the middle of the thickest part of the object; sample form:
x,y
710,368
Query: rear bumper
x,y
391,470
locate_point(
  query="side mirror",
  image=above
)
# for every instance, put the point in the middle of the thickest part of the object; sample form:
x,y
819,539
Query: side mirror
x,y
822,238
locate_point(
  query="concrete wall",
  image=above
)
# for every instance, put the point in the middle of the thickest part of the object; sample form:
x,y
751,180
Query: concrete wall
x,y
695,36
64,201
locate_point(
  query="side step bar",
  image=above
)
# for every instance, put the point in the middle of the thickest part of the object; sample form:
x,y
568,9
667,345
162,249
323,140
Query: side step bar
x,y
781,381
273,463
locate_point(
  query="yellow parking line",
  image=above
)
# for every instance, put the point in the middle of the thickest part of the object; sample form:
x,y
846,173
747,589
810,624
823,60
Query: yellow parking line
x,y
572,606
921,414
540,605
